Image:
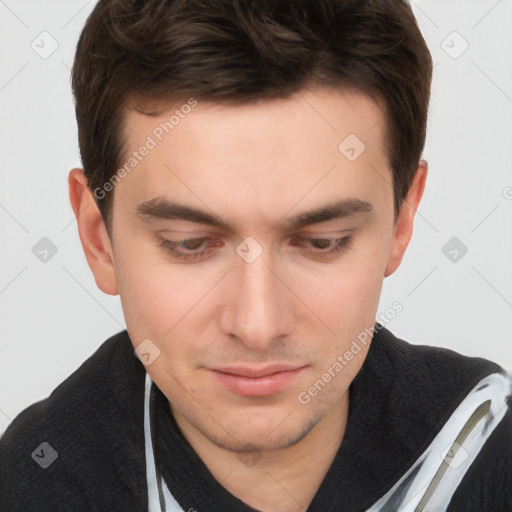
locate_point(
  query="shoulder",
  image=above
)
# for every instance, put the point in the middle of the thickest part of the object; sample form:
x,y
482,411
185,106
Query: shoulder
x,y
60,447
487,485
415,356
425,385
436,377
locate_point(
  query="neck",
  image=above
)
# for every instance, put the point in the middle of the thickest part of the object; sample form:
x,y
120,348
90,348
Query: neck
x,y
282,480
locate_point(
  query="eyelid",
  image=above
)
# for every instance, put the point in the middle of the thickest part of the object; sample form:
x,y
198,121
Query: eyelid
x,y
341,245
326,234
187,236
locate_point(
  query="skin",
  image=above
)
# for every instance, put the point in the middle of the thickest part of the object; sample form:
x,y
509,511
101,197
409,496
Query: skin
x,y
254,166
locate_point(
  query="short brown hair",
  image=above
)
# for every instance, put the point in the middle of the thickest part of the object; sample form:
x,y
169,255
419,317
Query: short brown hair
x,y
240,51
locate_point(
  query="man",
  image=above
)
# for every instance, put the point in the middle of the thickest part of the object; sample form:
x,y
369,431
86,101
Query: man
x,y
251,175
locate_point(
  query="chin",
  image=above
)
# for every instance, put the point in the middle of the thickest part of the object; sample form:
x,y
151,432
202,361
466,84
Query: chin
x,y
273,435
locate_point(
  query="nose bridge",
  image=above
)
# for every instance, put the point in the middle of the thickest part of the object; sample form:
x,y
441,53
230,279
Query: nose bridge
x,y
260,307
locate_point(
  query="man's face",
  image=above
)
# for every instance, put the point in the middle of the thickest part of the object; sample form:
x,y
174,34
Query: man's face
x,y
279,300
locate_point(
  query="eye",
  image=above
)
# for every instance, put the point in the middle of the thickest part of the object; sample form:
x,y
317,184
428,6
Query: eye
x,y
325,246
199,246
190,244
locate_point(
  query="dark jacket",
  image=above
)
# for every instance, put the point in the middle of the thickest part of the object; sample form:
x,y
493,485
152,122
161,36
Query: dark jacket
x,y
93,422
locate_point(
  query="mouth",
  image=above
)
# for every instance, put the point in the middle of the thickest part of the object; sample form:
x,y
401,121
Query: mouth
x,y
257,381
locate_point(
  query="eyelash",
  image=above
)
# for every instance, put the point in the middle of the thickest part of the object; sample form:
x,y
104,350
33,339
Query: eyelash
x,y
340,245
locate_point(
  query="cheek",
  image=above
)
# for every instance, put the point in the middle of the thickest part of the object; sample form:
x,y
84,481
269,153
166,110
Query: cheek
x,y
148,297
164,301
346,299
155,296
346,295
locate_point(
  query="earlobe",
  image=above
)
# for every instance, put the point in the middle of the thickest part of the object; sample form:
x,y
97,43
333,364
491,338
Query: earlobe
x,y
404,224
93,233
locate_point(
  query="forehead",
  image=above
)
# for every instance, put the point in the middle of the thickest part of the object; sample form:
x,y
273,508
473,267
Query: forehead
x,y
323,109
300,148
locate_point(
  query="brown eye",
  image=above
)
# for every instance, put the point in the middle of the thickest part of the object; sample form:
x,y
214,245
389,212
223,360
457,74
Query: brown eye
x,y
318,246
179,249
321,243
192,244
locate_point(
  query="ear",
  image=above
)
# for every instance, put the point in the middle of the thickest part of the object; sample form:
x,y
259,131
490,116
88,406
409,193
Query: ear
x,y
404,223
93,232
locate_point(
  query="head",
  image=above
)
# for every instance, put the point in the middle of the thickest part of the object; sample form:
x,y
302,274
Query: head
x,y
251,171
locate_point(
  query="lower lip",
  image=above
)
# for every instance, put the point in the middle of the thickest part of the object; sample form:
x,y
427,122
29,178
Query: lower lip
x,y
257,386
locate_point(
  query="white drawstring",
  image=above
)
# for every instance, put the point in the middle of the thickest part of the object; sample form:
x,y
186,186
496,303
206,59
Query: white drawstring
x,y
430,483
171,505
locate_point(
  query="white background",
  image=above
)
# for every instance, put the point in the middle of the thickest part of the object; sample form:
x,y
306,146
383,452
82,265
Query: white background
x,y
53,316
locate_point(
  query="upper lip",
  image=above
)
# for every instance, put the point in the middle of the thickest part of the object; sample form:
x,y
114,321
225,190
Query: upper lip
x,y
257,371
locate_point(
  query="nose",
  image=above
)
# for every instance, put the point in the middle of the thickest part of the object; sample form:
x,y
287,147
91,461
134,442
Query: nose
x,y
258,308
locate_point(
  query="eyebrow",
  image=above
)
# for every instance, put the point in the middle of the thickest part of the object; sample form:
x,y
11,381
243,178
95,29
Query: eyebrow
x,y
162,208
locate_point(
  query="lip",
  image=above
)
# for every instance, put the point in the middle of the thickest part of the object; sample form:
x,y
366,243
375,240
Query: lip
x,y
257,371
257,381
